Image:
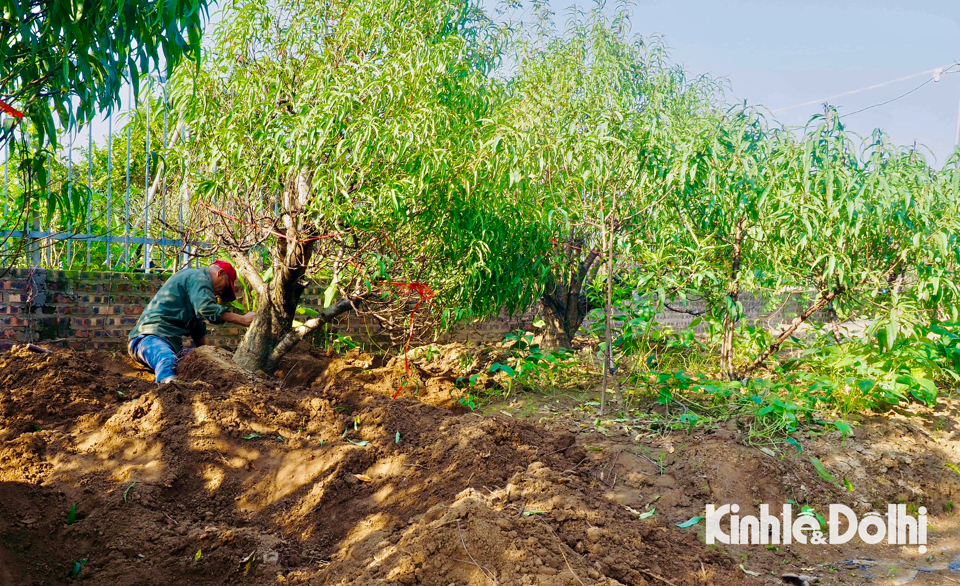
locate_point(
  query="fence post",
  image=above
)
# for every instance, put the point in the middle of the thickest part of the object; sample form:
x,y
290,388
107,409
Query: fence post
x,y
109,183
89,188
6,189
146,198
126,203
163,189
69,262
48,241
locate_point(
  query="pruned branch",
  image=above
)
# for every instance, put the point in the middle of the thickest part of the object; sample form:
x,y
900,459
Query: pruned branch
x,y
822,302
693,312
326,316
250,273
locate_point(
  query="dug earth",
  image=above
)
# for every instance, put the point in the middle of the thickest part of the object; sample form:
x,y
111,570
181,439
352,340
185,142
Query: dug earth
x,y
317,476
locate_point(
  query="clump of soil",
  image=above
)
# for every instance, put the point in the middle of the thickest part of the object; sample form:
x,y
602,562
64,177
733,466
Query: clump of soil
x,y
313,477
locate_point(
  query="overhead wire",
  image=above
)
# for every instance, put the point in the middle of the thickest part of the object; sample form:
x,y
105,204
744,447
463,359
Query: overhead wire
x,y
903,95
935,71
884,103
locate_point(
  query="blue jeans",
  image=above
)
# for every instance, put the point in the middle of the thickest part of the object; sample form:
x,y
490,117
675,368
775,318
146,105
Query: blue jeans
x,y
155,353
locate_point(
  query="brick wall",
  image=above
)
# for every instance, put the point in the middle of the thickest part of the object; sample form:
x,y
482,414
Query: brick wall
x,y
95,310
78,309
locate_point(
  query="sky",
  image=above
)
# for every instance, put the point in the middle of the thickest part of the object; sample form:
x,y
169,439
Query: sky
x,y
779,53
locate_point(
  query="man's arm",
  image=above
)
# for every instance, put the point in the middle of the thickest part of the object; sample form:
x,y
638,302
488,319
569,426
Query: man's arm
x,y
235,318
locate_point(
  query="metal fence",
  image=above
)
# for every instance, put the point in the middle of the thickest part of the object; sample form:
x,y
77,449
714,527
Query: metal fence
x,y
103,207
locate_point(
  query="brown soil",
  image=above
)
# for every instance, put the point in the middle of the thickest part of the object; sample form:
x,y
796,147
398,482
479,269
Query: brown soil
x,y
313,477
909,455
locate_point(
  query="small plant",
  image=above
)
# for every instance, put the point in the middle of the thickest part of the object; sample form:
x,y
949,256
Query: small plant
x,y
427,353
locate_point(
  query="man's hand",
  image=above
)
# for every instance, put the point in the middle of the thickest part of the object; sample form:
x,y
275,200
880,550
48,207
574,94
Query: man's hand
x,y
235,318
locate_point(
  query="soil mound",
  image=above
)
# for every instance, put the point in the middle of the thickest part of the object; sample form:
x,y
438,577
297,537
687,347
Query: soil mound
x,y
230,478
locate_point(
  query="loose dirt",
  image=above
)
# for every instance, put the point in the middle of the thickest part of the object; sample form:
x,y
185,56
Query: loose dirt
x,y
313,477
316,476
905,456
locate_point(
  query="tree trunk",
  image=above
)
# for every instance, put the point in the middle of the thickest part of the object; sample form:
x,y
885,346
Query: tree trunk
x,y
276,304
269,327
565,305
271,335
555,332
730,319
275,313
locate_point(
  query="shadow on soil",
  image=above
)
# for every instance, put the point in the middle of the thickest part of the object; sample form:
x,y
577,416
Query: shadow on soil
x,y
314,477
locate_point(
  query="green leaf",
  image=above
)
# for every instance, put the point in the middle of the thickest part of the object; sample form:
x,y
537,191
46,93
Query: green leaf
x,y
196,556
847,485
822,471
72,515
77,566
328,294
691,522
251,436
503,368
397,438
844,427
648,514
360,443
307,311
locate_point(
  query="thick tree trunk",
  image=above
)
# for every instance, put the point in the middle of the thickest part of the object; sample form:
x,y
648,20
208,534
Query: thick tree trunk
x,y
565,306
276,303
271,335
555,332
270,326
275,314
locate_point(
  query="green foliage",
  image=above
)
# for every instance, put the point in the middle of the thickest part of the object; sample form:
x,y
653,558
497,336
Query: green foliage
x,y
865,374
392,156
69,59
527,365
85,188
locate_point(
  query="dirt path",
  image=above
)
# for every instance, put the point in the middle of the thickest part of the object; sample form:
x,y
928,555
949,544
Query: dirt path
x,y
322,479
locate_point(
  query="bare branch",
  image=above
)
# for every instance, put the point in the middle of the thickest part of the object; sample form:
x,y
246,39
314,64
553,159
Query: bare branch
x,y
326,316
250,273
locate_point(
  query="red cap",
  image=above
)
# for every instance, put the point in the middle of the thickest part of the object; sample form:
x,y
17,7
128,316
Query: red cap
x,y
230,295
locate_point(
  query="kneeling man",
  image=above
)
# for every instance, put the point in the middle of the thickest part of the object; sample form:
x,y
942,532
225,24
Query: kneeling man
x,y
179,309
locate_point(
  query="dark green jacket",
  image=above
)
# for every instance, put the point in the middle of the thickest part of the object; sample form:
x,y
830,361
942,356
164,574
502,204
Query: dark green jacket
x,y
179,309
